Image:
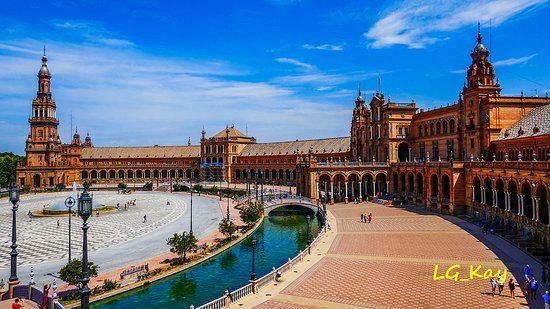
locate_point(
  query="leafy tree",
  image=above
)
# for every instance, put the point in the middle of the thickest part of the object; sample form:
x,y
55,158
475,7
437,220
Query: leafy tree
x,y
122,185
227,227
250,214
8,164
72,272
182,243
148,186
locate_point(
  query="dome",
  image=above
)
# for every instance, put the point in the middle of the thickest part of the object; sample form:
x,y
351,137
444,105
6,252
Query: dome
x,y
480,48
44,69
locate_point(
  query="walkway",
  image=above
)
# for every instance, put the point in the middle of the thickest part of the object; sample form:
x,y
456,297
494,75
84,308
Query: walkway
x,y
116,240
389,263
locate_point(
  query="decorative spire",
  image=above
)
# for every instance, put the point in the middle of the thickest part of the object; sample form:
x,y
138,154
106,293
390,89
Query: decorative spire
x,y
479,38
189,141
44,69
359,90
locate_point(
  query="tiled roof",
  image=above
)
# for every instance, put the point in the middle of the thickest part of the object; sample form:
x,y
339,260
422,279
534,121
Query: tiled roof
x,y
538,117
141,152
327,145
232,133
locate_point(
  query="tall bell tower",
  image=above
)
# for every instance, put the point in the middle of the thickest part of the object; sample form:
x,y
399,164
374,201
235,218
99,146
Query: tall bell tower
x,y
358,141
43,147
480,84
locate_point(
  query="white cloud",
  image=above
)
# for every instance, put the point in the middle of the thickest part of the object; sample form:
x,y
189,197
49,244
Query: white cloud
x,y
126,97
417,24
512,61
296,63
329,47
457,71
94,33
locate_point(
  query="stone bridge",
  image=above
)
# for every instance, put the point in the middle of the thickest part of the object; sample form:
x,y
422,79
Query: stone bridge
x,y
289,200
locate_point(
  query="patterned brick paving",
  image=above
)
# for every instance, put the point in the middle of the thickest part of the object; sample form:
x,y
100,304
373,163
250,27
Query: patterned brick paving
x,y
389,263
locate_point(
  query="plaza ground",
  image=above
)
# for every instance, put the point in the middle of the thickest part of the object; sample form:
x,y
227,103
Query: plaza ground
x,y
116,240
389,263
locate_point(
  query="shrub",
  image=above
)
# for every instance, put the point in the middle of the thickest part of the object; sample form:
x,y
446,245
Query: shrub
x,y
109,285
122,185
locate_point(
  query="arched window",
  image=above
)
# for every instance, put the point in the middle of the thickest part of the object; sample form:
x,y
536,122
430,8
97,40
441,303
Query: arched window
x,y
420,131
438,128
431,129
445,128
452,126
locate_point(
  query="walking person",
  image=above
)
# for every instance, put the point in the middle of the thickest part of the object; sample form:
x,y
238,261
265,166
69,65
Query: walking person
x,y
527,271
144,218
546,298
362,218
493,285
58,223
534,287
370,217
500,283
512,287
527,288
45,294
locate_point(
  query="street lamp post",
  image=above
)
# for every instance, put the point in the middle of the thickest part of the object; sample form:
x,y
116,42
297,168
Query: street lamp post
x,y
85,211
14,199
262,184
253,274
228,198
69,203
191,210
308,237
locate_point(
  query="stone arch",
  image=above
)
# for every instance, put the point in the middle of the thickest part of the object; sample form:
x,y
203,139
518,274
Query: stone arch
x,y
501,199
368,179
542,198
513,191
403,152
37,180
419,184
180,173
112,174
130,174
434,185
381,185
353,185
339,180
477,189
156,173
196,174
445,127
488,190
121,174
446,186
84,175
103,174
274,174
93,174
139,174
164,174
147,174
527,201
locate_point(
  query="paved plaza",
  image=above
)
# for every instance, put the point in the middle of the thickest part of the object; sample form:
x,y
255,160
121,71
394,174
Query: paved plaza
x,y
389,263
115,239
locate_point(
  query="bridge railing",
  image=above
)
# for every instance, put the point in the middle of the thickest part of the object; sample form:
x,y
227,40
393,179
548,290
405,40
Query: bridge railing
x,y
254,286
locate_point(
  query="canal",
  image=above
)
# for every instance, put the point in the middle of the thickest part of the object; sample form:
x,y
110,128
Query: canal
x,y
279,237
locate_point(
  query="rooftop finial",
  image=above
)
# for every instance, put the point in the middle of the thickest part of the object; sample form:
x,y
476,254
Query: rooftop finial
x,y
359,89
44,50
479,38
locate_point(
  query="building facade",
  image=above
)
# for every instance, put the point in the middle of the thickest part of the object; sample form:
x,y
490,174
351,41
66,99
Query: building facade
x,y
486,155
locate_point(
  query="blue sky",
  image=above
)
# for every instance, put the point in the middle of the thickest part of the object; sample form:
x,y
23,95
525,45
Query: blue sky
x,y
150,72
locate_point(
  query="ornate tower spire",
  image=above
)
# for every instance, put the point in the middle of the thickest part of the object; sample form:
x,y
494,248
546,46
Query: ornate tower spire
x,y
481,73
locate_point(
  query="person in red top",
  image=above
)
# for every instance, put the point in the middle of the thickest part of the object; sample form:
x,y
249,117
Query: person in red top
x,y
17,304
45,294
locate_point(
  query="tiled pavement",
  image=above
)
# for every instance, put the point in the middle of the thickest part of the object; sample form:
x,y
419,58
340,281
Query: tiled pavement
x,y
389,263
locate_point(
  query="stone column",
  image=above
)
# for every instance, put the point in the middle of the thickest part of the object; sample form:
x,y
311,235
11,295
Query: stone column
x,y
495,200
374,188
520,200
360,191
473,193
331,192
387,186
535,208
346,196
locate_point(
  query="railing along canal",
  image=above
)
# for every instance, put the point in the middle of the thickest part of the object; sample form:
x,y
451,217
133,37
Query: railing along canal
x,y
254,286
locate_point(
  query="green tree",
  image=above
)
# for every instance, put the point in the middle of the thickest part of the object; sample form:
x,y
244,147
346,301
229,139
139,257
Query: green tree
x,y
227,227
250,214
182,243
122,185
72,272
148,186
8,164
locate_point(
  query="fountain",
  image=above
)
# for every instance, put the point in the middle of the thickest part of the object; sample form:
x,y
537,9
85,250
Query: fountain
x,y
58,206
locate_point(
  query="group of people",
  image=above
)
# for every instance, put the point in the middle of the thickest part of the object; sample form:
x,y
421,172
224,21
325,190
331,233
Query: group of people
x,y
365,218
127,204
532,285
499,283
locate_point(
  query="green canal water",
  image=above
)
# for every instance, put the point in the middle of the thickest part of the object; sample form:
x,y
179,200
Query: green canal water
x,y
279,238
